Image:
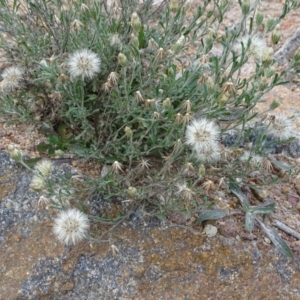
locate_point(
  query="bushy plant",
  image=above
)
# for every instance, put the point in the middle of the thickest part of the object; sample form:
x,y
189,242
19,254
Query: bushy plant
x,y
154,93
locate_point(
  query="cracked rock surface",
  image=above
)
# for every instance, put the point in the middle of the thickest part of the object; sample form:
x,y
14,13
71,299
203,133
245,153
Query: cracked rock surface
x,y
151,259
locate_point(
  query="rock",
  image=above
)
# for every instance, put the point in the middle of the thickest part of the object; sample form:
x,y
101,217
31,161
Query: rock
x,y
210,230
152,262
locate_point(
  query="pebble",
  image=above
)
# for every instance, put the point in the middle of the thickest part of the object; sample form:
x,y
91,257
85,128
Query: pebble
x,y
267,240
210,230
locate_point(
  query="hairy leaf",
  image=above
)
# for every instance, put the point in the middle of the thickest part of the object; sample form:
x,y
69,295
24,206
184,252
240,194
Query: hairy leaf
x,y
278,242
211,215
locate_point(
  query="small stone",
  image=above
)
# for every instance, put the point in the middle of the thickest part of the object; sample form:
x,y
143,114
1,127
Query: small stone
x,y
261,194
210,230
267,240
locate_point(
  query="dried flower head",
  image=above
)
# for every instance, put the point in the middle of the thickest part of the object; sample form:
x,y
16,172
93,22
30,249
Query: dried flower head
x,y
138,97
185,191
71,226
256,48
144,164
186,119
228,87
189,167
76,25
152,45
113,78
117,167
280,126
160,54
106,87
208,185
84,63
11,78
178,118
187,105
44,167
155,115
201,134
267,165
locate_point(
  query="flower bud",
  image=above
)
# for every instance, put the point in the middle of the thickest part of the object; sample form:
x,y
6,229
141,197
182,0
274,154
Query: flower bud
x,y
259,18
267,57
16,155
122,60
270,24
132,191
274,104
43,63
166,103
128,132
201,171
134,40
224,97
270,72
246,8
297,55
179,44
263,84
136,22
37,183
276,35
10,147
210,84
174,6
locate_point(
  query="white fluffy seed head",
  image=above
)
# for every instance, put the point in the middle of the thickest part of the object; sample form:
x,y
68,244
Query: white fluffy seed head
x,y
280,126
44,167
71,226
210,154
11,78
84,63
256,48
202,134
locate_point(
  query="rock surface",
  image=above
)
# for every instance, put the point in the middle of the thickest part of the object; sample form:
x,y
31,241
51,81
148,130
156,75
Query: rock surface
x,y
140,259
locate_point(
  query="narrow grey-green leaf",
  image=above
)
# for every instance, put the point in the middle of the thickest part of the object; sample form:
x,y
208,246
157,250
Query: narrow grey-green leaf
x,y
278,242
249,221
211,215
236,190
280,165
265,208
